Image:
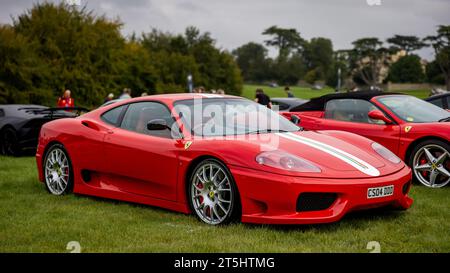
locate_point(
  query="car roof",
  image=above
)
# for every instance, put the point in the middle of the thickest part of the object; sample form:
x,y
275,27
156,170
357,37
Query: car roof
x,y
178,96
20,106
318,104
438,96
288,99
165,98
20,110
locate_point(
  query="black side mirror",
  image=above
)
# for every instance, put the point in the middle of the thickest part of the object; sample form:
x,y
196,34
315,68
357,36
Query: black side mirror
x,y
295,119
157,125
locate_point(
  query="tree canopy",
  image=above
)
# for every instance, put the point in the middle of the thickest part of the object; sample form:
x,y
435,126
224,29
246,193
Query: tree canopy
x,y
52,47
441,45
407,69
406,43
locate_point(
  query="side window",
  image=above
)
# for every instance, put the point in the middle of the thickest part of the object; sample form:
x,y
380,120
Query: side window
x,y
2,113
438,102
352,110
448,102
113,115
139,114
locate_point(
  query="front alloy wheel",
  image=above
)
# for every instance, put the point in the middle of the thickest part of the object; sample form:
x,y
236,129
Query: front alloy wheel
x,y
213,194
57,171
431,165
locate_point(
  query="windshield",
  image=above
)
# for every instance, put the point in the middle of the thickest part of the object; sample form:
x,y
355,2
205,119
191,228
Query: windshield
x,y
412,109
223,117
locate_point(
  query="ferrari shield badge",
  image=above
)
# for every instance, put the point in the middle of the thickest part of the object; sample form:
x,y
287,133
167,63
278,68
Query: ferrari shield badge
x,y
187,145
408,128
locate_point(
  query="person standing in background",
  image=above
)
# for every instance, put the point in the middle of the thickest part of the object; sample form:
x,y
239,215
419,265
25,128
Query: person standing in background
x,y
110,97
126,94
288,92
262,98
66,101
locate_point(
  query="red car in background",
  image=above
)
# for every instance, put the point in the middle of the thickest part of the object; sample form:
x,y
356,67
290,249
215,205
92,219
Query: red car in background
x,y
166,151
415,130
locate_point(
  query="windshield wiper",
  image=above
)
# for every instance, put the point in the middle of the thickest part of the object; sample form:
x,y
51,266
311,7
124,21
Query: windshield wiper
x,y
447,119
265,131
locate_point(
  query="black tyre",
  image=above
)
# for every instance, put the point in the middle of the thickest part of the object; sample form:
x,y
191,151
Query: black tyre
x,y
57,169
212,193
430,162
9,143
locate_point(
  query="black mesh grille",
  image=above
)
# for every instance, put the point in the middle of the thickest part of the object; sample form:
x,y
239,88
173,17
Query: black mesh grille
x,y
314,201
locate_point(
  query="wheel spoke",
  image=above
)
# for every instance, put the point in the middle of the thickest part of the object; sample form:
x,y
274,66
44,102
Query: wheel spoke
x,y
63,180
443,171
222,208
60,184
197,196
215,213
441,159
430,157
223,200
424,167
201,179
223,181
204,209
201,206
433,176
210,171
204,174
213,179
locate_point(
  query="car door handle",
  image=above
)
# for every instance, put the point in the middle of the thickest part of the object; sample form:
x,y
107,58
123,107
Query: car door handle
x,y
110,132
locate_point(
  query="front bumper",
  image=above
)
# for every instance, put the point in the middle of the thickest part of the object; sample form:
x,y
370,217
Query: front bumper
x,y
268,198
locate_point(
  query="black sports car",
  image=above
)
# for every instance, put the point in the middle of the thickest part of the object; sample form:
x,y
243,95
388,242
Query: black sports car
x,y
286,104
20,125
441,100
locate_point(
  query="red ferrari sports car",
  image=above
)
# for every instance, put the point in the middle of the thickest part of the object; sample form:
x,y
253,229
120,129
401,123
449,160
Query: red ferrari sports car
x,y
221,158
416,131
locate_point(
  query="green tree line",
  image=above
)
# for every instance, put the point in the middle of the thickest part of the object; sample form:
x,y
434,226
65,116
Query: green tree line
x,y
364,64
50,48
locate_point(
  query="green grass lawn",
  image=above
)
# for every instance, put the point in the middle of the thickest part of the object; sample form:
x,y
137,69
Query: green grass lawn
x,y
31,220
307,93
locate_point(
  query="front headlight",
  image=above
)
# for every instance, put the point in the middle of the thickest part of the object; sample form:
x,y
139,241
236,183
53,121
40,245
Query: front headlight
x,y
385,153
285,161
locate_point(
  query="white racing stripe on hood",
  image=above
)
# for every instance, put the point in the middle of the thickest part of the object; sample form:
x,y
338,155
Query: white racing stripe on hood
x,y
352,160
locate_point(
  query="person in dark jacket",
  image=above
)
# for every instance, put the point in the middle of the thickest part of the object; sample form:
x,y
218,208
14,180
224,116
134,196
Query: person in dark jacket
x,y
262,98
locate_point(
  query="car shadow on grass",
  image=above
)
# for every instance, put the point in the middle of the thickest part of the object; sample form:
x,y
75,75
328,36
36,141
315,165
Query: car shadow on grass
x,y
355,220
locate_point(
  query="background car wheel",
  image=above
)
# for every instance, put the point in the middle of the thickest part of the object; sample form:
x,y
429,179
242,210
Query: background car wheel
x,y
9,142
213,194
430,161
58,171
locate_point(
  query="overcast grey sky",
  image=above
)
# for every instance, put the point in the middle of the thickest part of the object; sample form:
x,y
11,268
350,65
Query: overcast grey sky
x,y
235,22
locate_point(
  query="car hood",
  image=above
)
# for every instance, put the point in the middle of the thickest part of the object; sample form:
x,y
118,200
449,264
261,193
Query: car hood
x,y
337,154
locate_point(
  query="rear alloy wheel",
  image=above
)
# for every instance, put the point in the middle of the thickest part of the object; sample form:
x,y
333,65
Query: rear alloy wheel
x,y
9,142
213,194
58,171
431,163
